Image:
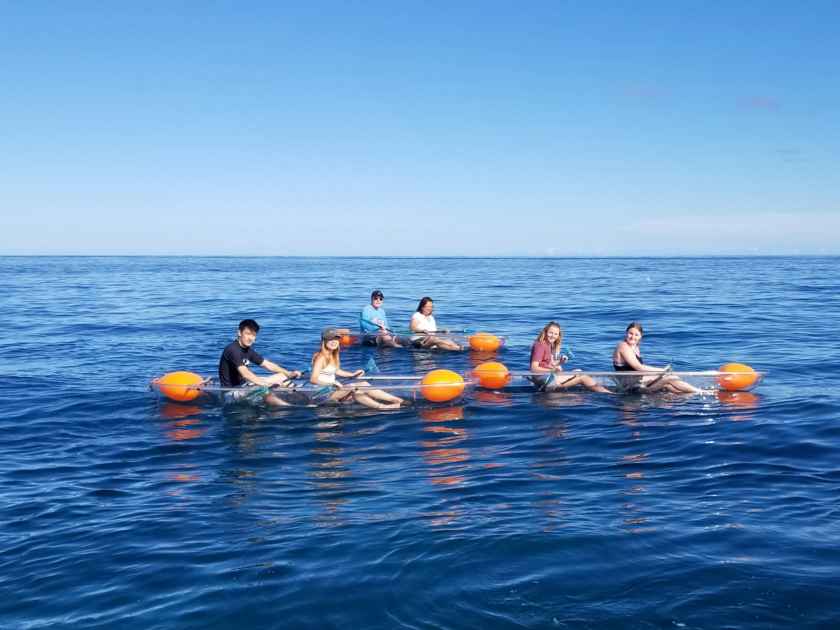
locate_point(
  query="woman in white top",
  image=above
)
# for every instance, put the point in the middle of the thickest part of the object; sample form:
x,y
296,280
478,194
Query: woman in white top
x,y
423,322
326,365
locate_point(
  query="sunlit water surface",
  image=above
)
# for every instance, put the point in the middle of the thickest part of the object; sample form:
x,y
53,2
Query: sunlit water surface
x,y
503,510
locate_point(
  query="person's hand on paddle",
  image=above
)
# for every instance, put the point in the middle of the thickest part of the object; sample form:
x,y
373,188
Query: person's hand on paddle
x,y
358,373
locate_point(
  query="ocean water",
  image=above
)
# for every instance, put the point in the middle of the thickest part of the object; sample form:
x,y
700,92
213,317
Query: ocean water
x,y
503,510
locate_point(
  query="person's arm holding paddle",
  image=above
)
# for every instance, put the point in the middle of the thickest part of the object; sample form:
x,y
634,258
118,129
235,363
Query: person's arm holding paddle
x,y
280,371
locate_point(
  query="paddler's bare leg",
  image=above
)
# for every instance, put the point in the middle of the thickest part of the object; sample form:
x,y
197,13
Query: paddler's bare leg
x,y
274,401
378,394
384,339
366,400
447,344
671,384
593,385
587,381
679,386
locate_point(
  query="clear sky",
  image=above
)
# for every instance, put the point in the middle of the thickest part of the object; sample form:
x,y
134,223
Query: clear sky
x,y
420,127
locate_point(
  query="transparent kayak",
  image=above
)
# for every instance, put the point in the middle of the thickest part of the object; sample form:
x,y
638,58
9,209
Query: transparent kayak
x,y
632,382
304,394
477,342
445,385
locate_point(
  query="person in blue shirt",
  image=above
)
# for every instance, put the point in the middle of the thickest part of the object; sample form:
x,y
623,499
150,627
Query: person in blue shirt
x,y
373,322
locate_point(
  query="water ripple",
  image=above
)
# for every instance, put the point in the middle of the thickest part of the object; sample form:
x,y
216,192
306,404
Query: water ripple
x,y
505,509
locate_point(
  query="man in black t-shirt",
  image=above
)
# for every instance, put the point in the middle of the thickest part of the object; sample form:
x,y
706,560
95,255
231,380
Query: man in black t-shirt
x,y
236,362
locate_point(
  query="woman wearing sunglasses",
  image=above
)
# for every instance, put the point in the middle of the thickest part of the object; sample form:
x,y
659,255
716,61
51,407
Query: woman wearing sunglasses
x,y
326,365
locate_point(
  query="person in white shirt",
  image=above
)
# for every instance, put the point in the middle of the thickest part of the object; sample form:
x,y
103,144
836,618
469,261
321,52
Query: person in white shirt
x,y
424,326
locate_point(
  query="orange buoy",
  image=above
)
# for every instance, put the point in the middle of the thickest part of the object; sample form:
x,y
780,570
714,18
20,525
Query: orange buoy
x,y
484,342
347,340
492,374
179,386
740,377
441,385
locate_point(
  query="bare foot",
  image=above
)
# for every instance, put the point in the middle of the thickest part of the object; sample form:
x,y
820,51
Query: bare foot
x,y
272,400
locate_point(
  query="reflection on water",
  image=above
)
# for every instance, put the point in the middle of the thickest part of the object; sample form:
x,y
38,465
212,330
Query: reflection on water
x,y
185,421
476,358
630,467
186,429
745,402
683,413
569,398
524,509
493,397
553,469
445,456
175,411
443,414
330,473
423,361
447,461
185,477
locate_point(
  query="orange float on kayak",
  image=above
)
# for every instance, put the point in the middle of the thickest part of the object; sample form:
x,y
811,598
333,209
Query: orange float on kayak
x,y
441,385
180,386
484,342
742,377
492,374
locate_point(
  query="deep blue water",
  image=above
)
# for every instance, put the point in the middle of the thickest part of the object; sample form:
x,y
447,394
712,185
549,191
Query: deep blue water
x,y
570,511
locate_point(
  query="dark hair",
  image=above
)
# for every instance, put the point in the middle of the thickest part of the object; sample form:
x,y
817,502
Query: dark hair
x,y
423,302
249,323
636,325
377,294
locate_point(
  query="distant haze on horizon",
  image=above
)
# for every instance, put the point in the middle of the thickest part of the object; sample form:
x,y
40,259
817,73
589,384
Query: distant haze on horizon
x,y
428,129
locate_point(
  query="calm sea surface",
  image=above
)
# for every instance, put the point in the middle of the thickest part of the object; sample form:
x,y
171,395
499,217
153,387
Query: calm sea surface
x,y
507,510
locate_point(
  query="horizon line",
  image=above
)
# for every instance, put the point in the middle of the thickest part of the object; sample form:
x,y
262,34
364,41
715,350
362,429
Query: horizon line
x,y
420,257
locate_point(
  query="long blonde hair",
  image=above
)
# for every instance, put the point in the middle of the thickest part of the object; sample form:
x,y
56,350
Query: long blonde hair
x,y
332,356
543,336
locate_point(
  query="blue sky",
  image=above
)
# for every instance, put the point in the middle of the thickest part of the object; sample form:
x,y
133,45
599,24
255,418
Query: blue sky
x,y
420,128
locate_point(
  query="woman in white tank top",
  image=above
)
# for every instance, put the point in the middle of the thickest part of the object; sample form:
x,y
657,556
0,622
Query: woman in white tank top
x,y
326,365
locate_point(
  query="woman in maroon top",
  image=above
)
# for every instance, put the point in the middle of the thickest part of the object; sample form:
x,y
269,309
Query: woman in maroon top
x,y
547,363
